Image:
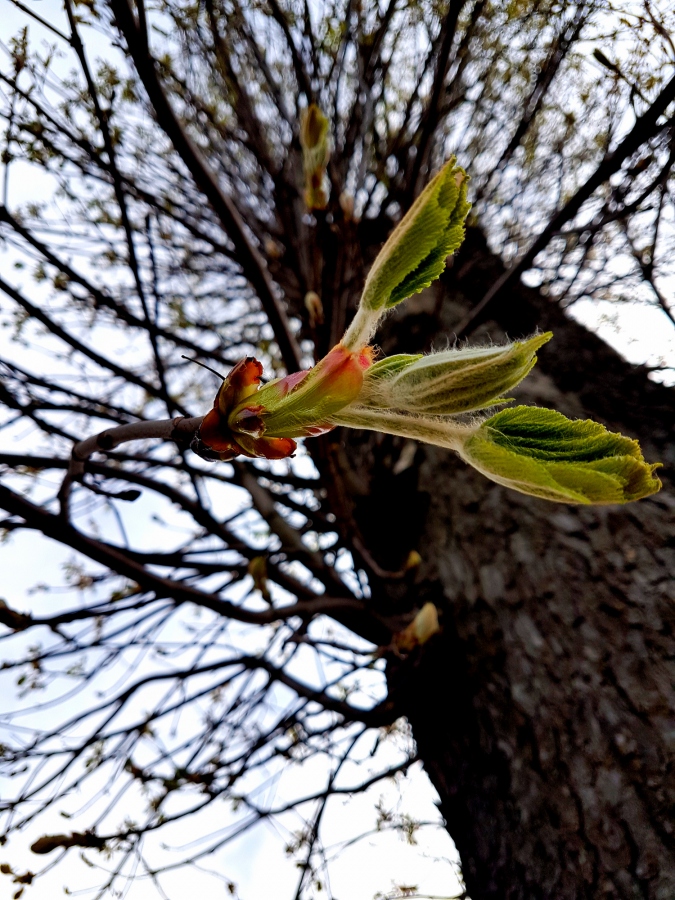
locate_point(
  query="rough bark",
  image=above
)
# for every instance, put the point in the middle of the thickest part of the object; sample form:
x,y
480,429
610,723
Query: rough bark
x,y
545,712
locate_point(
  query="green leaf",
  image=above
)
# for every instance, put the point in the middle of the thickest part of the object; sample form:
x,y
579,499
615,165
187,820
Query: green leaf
x,y
414,255
542,453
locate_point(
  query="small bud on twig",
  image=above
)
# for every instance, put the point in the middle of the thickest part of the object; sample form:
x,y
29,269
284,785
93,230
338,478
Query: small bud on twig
x,y
315,154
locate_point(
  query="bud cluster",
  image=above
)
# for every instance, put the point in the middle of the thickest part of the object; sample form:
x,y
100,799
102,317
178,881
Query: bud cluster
x,y
437,398
260,421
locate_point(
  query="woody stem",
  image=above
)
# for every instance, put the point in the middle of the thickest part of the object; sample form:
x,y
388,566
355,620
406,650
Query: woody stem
x,y
178,429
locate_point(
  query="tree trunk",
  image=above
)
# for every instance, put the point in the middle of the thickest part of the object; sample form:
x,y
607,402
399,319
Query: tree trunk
x,y
545,711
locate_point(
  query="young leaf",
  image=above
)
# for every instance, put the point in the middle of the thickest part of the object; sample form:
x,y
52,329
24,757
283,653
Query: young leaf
x,y
542,453
415,254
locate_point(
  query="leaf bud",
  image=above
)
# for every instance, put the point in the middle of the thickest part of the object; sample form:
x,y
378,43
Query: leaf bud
x,y
263,421
453,381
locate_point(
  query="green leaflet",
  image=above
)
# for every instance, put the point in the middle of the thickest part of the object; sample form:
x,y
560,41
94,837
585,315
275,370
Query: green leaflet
x,y
415,253
542,453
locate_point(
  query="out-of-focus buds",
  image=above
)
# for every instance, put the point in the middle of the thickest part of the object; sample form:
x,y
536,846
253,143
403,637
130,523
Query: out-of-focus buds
x,y
257,569
314,140
274,249
542,453
413,561
314,307
424,626
347,205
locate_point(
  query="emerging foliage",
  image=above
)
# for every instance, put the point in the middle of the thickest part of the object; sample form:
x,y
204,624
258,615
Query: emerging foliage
x,y
534,451
415,253
540,452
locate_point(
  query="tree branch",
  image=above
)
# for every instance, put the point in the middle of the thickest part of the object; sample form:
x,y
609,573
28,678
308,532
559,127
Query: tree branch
x,y
249,258
643,129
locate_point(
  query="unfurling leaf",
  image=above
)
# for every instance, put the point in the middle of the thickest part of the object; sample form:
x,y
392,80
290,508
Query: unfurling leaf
x,y
416,251
542,453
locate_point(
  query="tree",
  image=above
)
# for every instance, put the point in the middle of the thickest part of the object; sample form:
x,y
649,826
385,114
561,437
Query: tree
x,y
200,211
